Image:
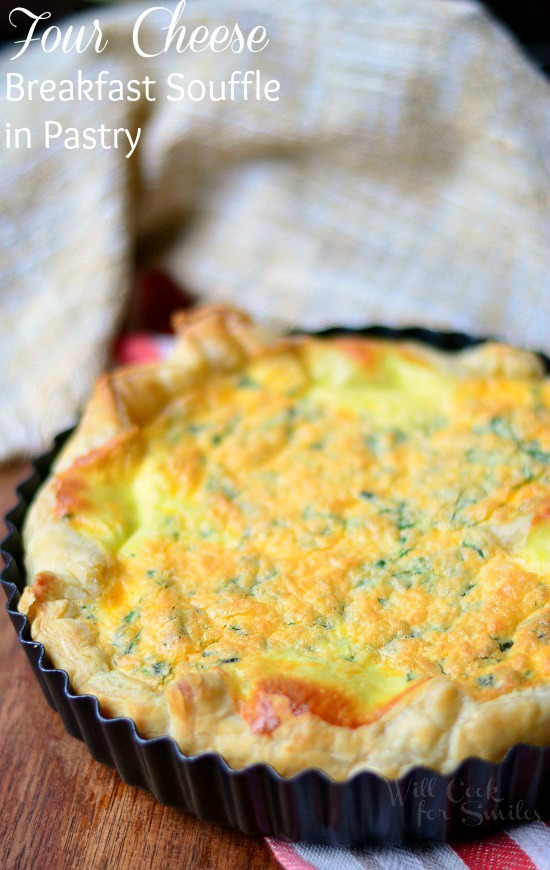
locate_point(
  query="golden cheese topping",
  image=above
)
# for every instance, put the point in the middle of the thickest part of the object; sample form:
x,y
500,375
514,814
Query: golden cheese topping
x,y
330,526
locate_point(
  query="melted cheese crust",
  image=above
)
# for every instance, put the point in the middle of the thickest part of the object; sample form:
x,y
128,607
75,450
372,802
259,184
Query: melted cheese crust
x,y
310,552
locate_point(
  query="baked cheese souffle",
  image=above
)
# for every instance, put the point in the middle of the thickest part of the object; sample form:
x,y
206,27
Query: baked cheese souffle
x,y
305,551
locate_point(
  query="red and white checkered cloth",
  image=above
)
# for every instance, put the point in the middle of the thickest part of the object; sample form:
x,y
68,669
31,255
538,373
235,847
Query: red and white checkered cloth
x,y
522,847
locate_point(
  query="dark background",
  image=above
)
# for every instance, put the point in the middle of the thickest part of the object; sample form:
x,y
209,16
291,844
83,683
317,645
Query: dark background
x,y
528,19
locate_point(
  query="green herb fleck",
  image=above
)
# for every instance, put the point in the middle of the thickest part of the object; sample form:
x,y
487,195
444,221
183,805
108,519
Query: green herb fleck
x,y
473,547
237,629
501,428
247,383
324,623
467,590
505,644
130,616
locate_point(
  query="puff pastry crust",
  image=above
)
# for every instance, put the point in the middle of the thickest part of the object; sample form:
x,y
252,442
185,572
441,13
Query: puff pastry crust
x,y
311,552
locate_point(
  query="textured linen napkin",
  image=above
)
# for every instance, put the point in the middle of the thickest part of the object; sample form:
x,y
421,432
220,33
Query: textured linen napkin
x,y
402,177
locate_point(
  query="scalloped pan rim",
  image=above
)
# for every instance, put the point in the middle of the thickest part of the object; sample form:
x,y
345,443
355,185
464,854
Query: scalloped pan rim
x,y
256,799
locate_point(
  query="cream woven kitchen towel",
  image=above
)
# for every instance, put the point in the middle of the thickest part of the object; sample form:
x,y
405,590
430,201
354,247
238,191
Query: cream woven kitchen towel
x,y
402,177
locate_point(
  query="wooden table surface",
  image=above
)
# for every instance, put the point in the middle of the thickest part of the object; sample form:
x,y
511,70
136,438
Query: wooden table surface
x,y
61,809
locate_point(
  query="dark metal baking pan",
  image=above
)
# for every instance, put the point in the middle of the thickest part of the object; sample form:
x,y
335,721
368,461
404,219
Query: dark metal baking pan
x,y
477,797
